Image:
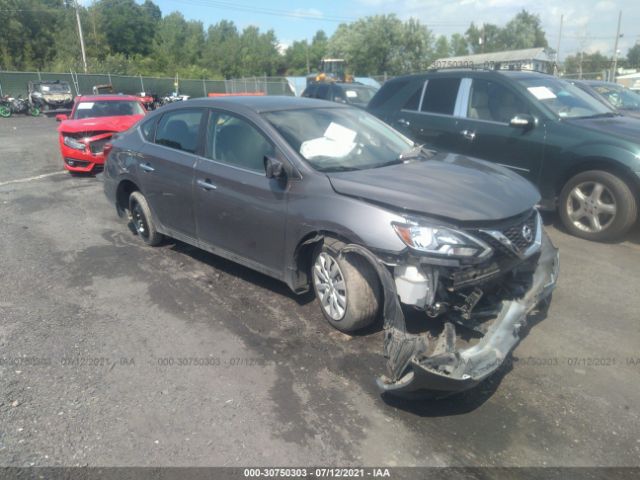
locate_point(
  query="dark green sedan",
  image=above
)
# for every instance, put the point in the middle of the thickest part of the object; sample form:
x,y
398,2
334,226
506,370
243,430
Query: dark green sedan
x,y
583,156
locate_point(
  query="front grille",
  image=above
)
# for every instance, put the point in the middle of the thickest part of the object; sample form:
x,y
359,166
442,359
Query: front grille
x,y
515,233
98,145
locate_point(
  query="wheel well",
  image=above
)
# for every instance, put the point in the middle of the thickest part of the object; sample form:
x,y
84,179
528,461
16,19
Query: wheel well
x,y
125,189
303,257
604,165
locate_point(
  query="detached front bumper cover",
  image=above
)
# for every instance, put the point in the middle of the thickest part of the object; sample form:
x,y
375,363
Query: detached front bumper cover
x,y
448,370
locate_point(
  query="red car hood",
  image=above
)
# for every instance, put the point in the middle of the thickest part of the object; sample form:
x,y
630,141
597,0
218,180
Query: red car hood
x,y
112,124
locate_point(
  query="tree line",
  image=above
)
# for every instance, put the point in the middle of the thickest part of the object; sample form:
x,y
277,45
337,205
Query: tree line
x,y
130,38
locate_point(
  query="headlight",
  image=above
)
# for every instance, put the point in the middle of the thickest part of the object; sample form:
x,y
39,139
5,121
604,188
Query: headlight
x,y
73,143
441,241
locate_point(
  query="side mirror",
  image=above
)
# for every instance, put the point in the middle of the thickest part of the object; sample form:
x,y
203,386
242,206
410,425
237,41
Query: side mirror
x,y
523,121
273,167
61,117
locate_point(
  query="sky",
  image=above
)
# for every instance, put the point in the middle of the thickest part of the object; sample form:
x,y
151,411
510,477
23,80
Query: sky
x,y
589,25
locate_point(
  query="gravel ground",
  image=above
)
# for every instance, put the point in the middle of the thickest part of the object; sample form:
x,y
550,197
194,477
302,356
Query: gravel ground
x,y
116,354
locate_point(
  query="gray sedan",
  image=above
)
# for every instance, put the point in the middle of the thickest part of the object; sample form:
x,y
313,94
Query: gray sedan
x,y
326,197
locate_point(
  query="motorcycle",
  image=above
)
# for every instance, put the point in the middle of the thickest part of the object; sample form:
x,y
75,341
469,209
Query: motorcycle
x,y
20,105
5,107
174,97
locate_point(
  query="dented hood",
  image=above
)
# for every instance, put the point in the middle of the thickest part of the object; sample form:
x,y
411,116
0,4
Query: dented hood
x,y
445,185
112,124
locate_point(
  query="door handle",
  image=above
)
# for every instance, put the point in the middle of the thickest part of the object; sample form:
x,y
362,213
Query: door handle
x,y
404,122
468,134
206,184
147,167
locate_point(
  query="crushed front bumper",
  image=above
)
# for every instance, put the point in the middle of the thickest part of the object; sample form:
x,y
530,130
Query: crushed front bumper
x,y
448,369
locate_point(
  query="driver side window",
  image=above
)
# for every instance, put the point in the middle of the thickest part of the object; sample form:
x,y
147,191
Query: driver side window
x,y
493,102
238,143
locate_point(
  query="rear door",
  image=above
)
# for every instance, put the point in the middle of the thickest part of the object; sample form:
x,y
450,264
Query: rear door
x,y
486,133
429,115
166,168
238,209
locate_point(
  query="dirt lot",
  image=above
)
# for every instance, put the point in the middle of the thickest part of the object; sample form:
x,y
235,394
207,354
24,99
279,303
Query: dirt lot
x,y
95,329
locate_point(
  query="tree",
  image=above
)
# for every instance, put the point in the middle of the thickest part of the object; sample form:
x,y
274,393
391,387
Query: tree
x,y
297,58
128,27
382,43
27,38
587,63
458,45
442,49
633,56
522,31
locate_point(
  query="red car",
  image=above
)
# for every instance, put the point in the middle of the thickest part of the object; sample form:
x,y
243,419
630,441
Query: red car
x,y
91,124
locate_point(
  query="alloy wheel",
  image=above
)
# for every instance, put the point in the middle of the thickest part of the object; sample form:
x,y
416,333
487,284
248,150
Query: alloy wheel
x,y
330,286
591,207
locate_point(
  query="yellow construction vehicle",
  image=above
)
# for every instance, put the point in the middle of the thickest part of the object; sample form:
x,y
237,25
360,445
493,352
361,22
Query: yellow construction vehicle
x,y
330,70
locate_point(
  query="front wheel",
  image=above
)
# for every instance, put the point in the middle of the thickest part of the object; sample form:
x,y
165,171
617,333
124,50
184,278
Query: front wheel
x,y
597,205
346,287
34,111
143,221
5,112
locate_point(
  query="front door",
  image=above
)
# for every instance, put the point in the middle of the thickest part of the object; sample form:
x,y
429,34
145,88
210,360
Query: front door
x,y
485,131
238,209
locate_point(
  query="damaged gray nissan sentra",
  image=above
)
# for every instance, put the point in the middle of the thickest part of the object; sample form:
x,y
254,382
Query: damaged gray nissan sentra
x,y
325,196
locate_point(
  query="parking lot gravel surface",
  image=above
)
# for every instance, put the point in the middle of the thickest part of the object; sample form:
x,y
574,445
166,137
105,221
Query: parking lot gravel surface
x,y
117,354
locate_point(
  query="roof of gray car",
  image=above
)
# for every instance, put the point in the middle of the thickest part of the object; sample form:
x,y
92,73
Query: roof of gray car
x,y
269,103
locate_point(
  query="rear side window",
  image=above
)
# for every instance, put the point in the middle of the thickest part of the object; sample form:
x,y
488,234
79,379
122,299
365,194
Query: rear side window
x,y
180,129
414,100
440,95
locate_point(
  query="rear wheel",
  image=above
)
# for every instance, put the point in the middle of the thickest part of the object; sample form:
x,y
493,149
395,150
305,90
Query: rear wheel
x,y
142,220
5,112
346,287
597,205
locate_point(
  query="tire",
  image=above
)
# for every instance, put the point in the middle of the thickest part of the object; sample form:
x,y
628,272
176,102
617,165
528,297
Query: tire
x,y
5,112
602,195
34,111
143,221
355,305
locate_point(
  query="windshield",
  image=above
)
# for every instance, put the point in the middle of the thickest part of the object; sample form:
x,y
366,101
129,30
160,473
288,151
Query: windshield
x,y
54,88
564,99
338,139
358,94
107,108
618,96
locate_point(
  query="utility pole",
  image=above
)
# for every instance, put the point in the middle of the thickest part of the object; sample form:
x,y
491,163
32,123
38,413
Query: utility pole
x,y
558,47
84,55
615,49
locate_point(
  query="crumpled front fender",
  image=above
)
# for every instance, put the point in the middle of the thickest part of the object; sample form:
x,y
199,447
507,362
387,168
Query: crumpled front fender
x,y
449,370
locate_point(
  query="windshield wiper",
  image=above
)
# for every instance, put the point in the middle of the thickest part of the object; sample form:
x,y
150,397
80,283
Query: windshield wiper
x,y
417,152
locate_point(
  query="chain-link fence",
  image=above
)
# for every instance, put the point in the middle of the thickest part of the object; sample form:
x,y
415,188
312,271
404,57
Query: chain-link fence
x,y
15,83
